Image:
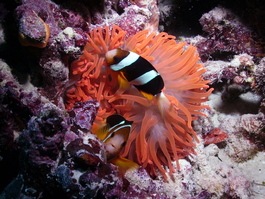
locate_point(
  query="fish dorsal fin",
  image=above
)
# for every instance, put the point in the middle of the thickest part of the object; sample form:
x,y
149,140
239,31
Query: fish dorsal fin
x,y
115,119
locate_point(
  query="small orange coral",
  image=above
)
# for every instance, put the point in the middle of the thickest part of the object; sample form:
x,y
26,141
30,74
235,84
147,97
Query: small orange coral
x,y
155,140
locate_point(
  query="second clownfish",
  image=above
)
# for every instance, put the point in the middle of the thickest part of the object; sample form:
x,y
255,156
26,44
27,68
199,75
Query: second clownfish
x,y
114,134
140,73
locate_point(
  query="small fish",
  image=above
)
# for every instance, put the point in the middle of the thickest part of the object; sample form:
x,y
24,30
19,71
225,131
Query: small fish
x,y
215,136
114,135
117,131
140,73
136,70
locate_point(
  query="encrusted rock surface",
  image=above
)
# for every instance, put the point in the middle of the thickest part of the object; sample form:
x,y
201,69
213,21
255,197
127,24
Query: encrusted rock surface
x,y
48,152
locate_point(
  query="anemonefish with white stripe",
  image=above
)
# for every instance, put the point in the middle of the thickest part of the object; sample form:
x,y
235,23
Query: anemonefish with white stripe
x,y
136,70
140,73
114,135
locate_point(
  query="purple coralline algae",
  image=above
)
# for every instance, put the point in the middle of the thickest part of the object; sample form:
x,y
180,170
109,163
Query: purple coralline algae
x,y
83,113
131,16
226,34
54,151
61,28
58,156
48,152
260,78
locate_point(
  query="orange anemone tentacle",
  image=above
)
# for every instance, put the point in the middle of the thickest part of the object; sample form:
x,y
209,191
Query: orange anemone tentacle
x,y
157,137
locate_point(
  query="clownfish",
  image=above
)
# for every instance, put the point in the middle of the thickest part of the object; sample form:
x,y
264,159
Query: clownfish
x,y
136,70
114,135
140,73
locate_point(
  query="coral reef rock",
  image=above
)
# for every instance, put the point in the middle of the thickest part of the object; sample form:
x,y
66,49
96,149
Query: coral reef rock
x,y
48,151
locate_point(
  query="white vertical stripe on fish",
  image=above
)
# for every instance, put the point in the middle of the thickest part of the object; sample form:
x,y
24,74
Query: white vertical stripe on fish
x,y
128,60
145,78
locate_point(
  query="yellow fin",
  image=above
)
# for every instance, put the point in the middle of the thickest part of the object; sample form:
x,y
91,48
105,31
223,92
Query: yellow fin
x,y
124,84
103,132
147,95
124,164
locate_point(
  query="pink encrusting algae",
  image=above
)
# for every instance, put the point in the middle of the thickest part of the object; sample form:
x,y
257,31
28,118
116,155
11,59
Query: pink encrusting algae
x,y
155,140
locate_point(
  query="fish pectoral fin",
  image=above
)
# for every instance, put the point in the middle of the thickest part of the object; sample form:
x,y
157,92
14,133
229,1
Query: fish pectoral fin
x,y
124,84
103,132
147,95
124,164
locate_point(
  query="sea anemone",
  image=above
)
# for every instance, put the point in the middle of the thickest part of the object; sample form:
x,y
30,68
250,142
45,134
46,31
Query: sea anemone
x,y
155,140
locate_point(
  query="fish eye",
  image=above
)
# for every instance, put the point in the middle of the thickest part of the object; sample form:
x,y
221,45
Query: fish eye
x,y
117,59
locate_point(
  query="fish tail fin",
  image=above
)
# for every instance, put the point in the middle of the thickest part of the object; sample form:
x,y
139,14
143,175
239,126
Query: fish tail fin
x,y
170,108
124,165
164,104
